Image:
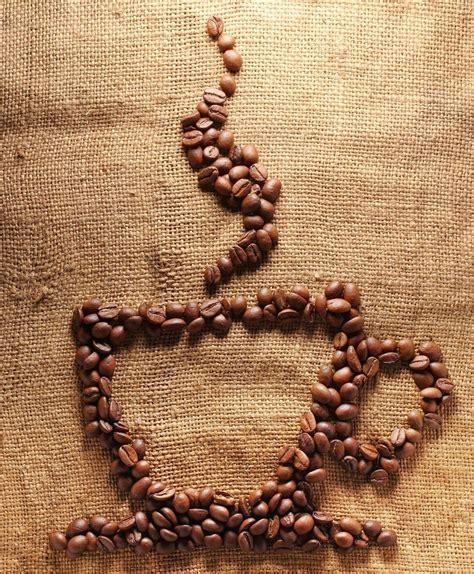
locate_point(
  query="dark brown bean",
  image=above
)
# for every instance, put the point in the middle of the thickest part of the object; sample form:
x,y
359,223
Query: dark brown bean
x,y
228,84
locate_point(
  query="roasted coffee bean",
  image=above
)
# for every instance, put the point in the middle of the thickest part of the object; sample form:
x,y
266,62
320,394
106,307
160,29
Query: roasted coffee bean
x,y
203,125
214,96
192,138
308,422
346,411
232,60
344,539
338,305
238,306
351,525
225,42
353,325
423,379
406,348
337,449
439,370
264,296
210,153
445,386
223,165
430,350
349,392
316,476
374,346
432,421
215,26
207,176
254,255
372,528
271,190
320,393
391,465
389,358
211,308
371,367
398,437
190,119
387,538
173,325
431,393
258,172
128,455
369,451
379,476
406,450
250,204
218,114
253,316
385,448
212,277
77,544
350,462
419,363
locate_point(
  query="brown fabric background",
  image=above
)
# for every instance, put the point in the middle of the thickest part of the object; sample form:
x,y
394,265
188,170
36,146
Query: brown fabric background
x,y
361,108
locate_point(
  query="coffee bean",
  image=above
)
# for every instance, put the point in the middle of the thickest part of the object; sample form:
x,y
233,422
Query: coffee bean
x,y
258,172
389,358
253,222
344,539
342,376
351,525
215,26
339,359
423,379
211,308
128,455
192,138
369,451
214,96
387,538
271,190
253,316
430,350
371,367
406,451
428,405
190,119
385,448
57,540
78,526
238,306
317,475
228,84
250,204
432,421
419,363
406,349
139,489
398,437
264,296
221,323
391,465
431,393
306,443
207,176
350,462
241,188
223,186
212,277
218,114
337,449
232,60
445,386
254,255
374,346
379,476
308,422
439,370
349,392
210,153
353,325
320,393
174,325
77,544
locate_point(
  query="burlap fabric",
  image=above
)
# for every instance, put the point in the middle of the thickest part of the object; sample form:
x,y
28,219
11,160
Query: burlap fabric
x,y
361,108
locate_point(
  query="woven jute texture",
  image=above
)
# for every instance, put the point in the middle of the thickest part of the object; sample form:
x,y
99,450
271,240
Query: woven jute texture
x,y
361,108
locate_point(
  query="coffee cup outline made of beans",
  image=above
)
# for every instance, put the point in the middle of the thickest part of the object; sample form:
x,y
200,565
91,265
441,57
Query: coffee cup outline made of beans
x,y
281,514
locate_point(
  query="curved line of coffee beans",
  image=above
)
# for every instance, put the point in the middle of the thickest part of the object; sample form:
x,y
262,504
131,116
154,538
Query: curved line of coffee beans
x,y
281,514
232,171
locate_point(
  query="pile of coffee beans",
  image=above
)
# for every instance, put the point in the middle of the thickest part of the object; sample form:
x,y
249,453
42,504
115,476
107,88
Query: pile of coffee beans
x,y
281,514
232,171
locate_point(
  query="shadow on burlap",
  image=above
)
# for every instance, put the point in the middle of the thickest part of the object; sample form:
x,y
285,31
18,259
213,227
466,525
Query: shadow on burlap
x,y
361,108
